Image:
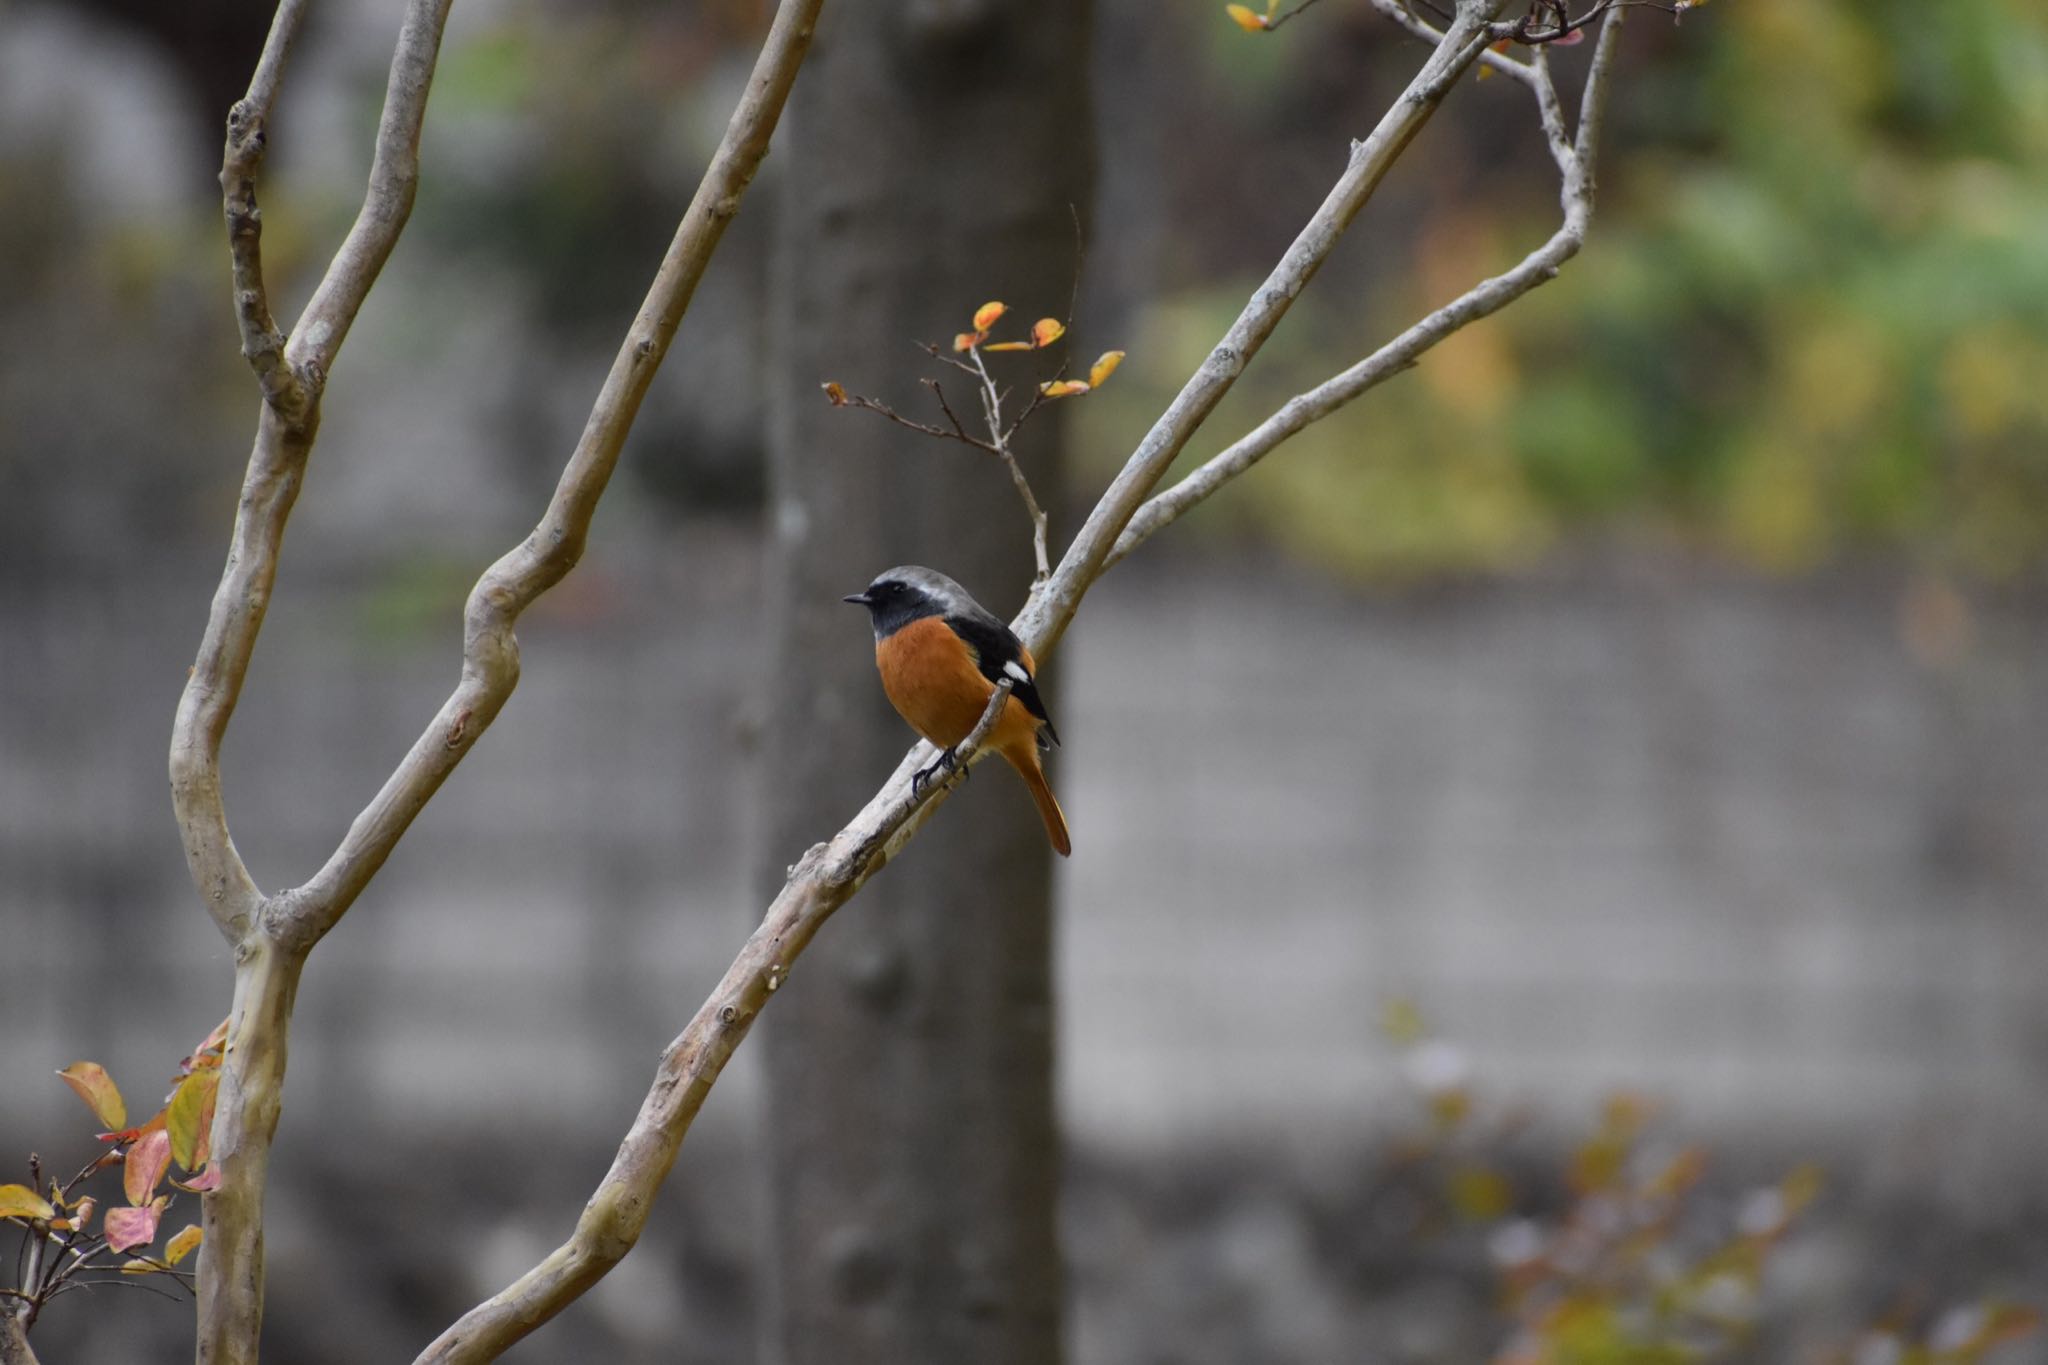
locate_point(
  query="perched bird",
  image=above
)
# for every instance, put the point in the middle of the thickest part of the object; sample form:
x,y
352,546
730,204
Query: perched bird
x,y
941,655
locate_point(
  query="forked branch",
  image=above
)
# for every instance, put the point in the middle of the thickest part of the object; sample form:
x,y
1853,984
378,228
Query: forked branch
x,y
272,935
1575,157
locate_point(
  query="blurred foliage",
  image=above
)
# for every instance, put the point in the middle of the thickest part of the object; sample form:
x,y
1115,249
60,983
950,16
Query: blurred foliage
x,y
1810,322
1623,1252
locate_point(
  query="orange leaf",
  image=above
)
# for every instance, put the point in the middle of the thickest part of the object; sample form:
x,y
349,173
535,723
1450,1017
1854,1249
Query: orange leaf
x,y
1104,366
1063,388
146,1164
836,394
184,1244
967,341
127,1228
1250,20
1046,331
1010,346
99,1092
19,1201
986,315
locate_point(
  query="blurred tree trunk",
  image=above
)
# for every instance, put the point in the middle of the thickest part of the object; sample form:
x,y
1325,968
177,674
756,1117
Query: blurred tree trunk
x,y
929,158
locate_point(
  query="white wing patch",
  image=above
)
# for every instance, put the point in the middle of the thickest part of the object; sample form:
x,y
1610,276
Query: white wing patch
x,y
1017,671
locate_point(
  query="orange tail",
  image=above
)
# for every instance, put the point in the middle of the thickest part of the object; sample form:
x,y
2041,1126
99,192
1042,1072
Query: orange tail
x,y
1048,805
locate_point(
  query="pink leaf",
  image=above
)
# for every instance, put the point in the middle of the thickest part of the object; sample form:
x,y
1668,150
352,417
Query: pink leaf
x,y
147,1161
127,1228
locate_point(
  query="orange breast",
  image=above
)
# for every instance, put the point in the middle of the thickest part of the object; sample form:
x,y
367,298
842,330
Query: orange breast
x,y
934,683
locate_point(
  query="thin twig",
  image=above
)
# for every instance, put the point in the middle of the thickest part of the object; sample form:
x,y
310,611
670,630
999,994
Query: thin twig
x,y
394,181
1280,19
877,406
992,410
1399,12
248,130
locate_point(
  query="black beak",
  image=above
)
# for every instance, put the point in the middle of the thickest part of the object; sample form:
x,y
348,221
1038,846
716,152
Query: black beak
x,y
858,598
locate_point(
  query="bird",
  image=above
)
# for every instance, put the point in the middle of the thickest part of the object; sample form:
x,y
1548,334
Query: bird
x,y
941,655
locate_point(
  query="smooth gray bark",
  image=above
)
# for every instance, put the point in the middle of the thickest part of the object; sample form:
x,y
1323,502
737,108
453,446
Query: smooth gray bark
x,y
933,151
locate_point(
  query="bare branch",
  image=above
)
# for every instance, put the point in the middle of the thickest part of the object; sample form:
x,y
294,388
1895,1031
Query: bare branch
x,y
490,652
999,435
831,873
285,428
825,879
269,488
394,178
248,129
1054,602
842,399
1593,102
1551,112
1488,297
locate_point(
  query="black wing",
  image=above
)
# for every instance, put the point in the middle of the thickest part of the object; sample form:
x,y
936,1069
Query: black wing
x,y
1000,655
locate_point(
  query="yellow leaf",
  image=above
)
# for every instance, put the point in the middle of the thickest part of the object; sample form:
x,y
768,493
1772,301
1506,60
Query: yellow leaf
x,y
1063,388
1009,346
184,1244
1250,20
986,315
836,394
967,341
136,1265
1104,366
19,1201
1046,331
97,1089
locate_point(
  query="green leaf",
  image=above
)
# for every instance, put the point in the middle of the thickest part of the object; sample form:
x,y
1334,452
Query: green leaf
x,y
189,1117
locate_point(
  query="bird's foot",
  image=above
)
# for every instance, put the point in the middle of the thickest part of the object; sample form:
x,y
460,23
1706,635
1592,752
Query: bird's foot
x,y
947,762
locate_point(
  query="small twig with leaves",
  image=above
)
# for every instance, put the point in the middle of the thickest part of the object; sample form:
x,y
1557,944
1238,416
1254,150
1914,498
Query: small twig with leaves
x,y
60,1250
1001,430
1255,21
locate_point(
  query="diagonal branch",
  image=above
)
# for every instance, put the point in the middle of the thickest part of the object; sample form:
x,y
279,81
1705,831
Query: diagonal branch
x,y
490,652
830,874
823,880
1488,297
394,179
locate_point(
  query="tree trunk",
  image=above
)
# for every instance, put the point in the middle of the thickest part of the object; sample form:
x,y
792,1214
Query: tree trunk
x,y
931,153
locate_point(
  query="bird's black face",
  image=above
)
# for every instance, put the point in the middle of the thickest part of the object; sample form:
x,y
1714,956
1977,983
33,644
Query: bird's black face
x,y
893,604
